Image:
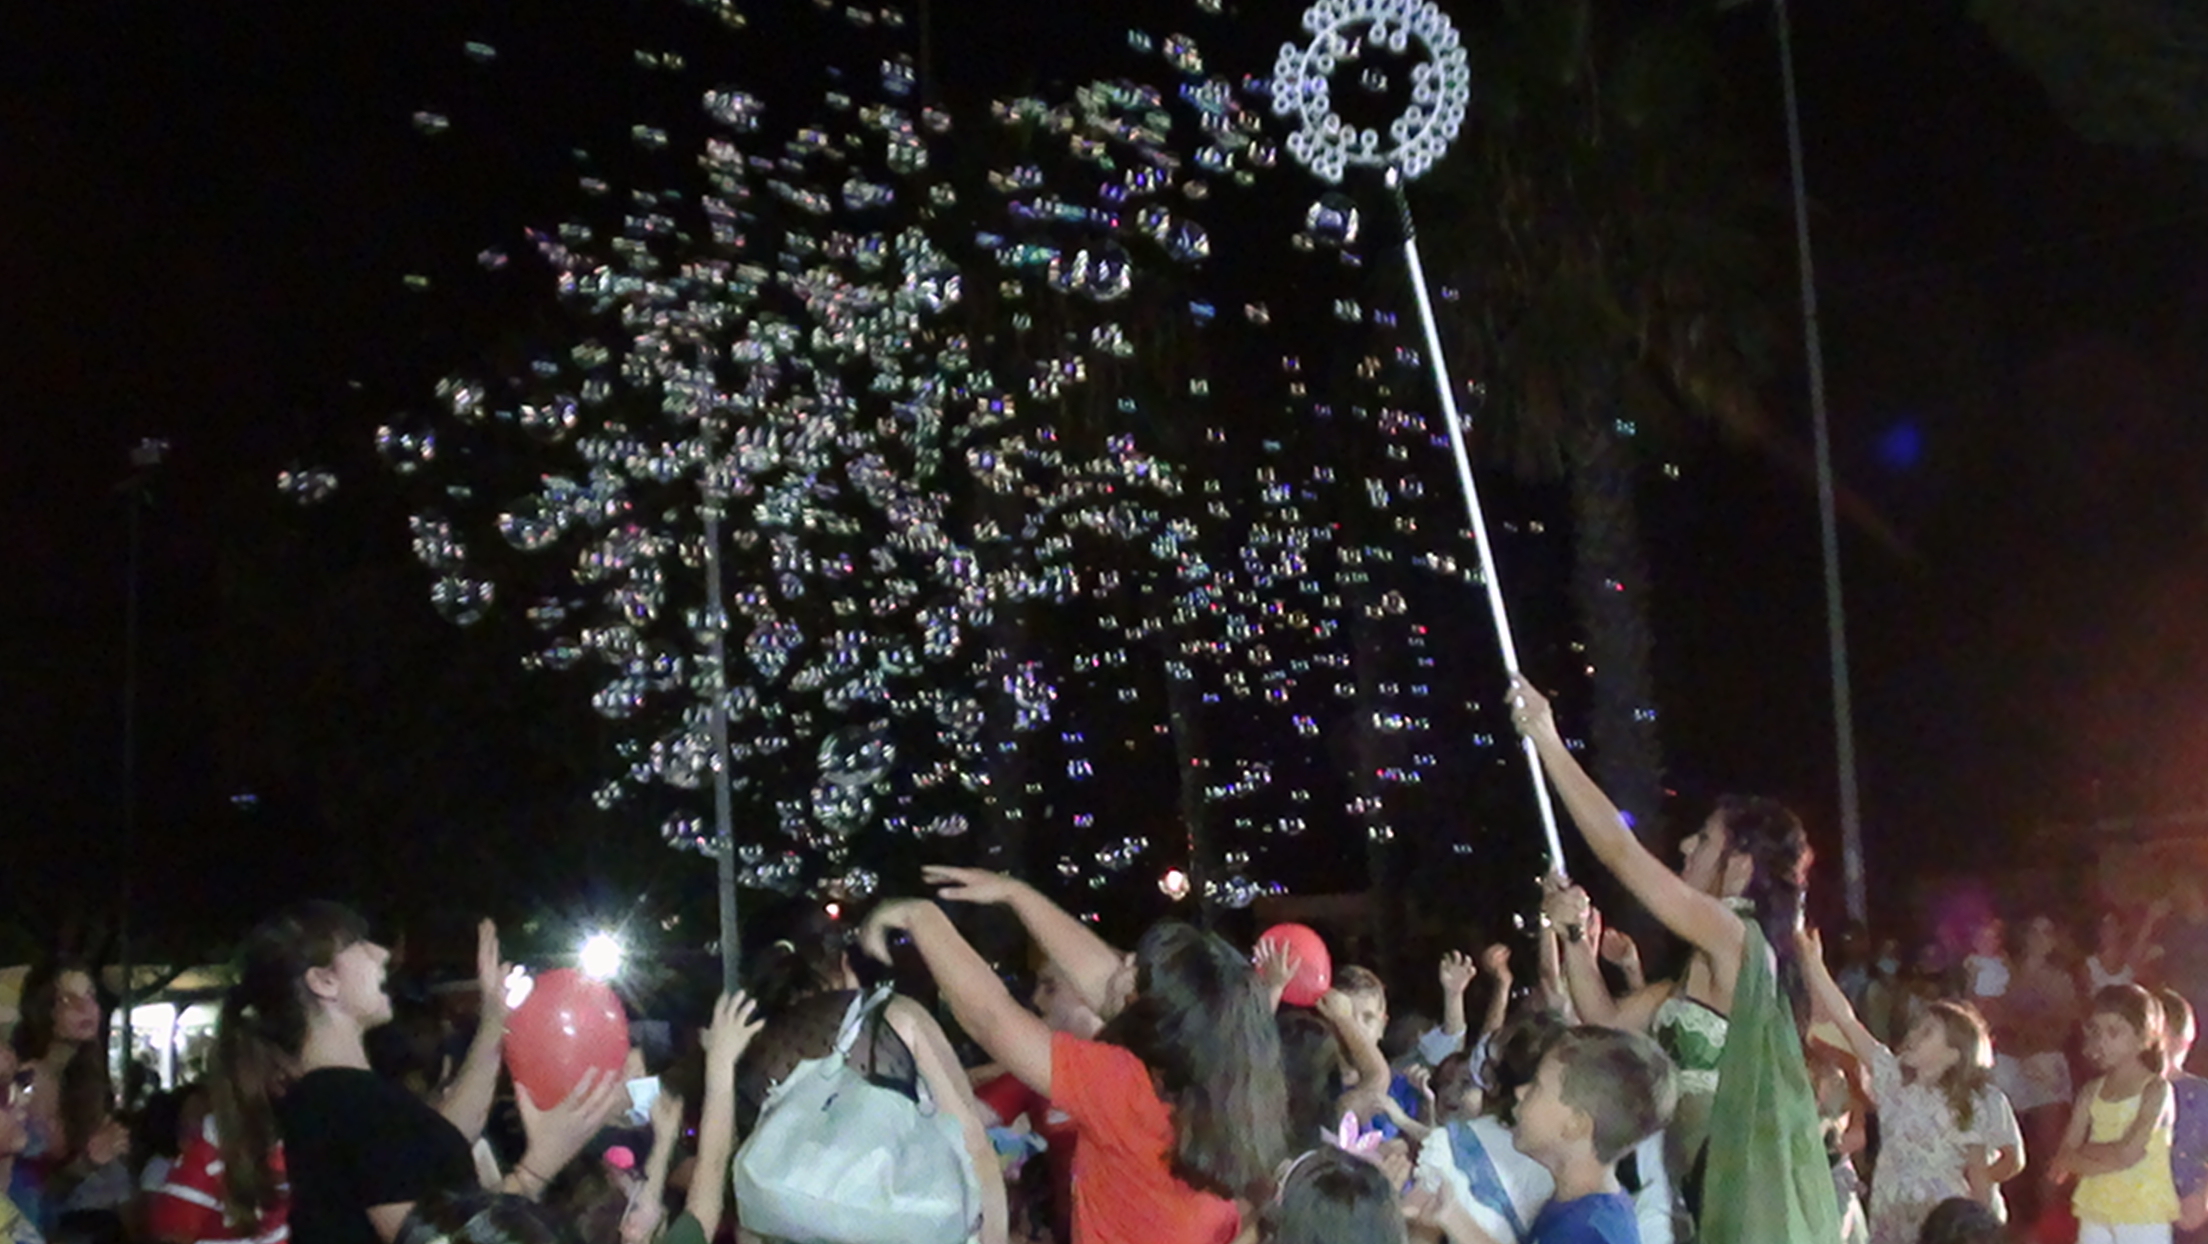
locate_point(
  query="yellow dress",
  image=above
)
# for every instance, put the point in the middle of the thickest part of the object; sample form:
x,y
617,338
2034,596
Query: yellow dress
x,y
2142,1193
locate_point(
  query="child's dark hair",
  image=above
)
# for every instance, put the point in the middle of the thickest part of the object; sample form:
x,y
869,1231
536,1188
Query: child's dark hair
x,y
1310,1061
1452,1075
805,956
1961,1220
1622,1081
1514,1059
1331,1197
482,1217
2135,1006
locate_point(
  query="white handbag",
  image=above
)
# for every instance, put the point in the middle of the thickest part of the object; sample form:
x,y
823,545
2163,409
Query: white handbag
x,y
838,1159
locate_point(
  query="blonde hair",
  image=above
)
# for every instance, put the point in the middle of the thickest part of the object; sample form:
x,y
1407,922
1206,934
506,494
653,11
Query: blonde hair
x,y
1361,981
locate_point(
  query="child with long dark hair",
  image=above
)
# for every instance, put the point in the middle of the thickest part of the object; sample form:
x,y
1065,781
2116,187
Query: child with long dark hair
x,y
2118,1144
1179,1102
73,1137
290,1066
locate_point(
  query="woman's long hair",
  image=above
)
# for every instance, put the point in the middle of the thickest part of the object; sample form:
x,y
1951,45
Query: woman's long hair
x,y
1199,1022
1778,849
258,1039
87,1091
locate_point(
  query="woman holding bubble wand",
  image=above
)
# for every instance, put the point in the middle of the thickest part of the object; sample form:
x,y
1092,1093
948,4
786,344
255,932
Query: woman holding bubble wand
x,y
1737,900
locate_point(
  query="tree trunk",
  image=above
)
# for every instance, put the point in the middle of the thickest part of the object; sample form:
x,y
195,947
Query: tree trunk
x,y
1610,594
1371,750
1185,714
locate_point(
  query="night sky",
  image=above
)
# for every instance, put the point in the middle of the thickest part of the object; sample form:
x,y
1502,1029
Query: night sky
x,y
205,211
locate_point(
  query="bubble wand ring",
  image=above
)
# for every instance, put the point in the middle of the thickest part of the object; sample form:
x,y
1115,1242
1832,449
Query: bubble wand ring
x,y
1441,87
1328,146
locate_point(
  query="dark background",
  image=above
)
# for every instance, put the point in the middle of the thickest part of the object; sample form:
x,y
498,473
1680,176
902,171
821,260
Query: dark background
x,y
204,212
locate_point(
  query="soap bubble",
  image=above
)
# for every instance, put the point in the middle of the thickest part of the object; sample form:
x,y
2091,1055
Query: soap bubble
x,y
857,755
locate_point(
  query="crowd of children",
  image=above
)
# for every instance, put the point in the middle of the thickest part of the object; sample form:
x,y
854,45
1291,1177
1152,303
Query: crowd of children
x,y
1174,1094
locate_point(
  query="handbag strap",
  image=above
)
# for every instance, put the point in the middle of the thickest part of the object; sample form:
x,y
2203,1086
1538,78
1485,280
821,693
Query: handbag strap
x,y
862,1007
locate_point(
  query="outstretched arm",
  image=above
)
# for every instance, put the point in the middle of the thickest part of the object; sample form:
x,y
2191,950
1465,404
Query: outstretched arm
x,y
1010,1033
1363,1054
1497,958
1090,963
1832,1001
467,1101
1694,916
734,1025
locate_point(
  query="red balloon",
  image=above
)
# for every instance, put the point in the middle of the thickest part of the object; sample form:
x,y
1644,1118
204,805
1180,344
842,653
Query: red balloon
x,y
568,1026
1314,966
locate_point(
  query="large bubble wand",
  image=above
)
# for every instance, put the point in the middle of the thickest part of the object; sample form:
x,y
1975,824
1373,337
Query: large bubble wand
x,y
1327,145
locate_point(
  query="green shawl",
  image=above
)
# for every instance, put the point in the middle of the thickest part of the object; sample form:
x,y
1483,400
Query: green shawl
x,y
1766,1179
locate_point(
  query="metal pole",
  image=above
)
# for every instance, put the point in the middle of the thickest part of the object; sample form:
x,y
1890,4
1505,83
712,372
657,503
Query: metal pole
x,y
134,498
1836,620
724,833
145,458
1488,576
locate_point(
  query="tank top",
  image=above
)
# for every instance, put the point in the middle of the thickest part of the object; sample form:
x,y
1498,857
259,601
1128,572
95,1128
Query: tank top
x,y
2140,1194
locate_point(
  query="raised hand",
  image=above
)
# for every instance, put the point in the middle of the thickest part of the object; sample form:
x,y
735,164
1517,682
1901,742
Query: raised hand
x,y
490,973
1456,973
895,916
735,1022
1530,711
1618,947
970,885
557,1134
112,1141
1496,959
1566,905
1276,965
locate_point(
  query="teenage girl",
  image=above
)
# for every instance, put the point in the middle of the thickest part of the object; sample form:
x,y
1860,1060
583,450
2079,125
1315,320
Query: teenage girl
x,y
2118,1144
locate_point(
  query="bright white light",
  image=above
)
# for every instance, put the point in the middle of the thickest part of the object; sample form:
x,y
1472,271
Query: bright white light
x,y
601,956
519,985
1174,884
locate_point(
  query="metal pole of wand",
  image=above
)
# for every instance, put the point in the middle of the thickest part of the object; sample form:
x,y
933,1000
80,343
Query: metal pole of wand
x,y
724,829
1477,517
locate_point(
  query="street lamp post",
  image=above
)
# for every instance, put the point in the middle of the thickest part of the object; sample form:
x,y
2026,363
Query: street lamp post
x,y
137,493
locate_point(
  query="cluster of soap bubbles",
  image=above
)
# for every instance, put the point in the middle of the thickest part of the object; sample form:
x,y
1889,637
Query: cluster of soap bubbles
x,y
897,404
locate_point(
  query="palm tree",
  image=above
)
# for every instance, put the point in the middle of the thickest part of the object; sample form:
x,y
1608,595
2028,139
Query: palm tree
x,y
2124,71
1614,282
